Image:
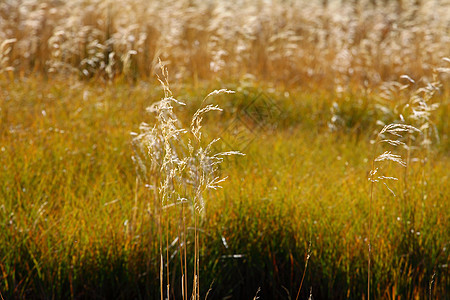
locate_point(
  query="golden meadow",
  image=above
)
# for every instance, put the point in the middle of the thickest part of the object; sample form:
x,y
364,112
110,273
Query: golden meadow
x,y
333,126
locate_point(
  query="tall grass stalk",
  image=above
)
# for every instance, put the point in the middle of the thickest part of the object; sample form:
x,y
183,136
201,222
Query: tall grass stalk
x,y
184,168
308,256
395,132
418,110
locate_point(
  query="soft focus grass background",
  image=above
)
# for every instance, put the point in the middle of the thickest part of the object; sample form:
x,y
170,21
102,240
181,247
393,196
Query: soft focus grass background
x,y
308,43
314,83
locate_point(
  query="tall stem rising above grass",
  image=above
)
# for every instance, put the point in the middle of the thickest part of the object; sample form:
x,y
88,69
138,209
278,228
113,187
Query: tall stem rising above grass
x,y
395,132
183,168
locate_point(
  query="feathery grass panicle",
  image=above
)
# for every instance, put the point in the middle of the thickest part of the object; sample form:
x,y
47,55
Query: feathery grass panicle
x,y
182,170
418,112
217,92
397,131
198,118
392,157
5,50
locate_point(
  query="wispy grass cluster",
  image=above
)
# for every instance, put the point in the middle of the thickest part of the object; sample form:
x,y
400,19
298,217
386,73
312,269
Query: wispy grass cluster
x,y
418,110
336,44
180,168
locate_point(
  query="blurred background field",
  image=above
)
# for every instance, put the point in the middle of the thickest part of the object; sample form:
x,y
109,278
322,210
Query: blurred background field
x,y
314,80
309,43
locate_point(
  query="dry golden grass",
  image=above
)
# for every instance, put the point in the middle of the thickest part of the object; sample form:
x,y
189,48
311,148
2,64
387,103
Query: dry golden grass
x,y
339,45
315,82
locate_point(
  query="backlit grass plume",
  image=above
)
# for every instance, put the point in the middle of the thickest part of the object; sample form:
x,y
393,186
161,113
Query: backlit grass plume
x,y
176,163
392,135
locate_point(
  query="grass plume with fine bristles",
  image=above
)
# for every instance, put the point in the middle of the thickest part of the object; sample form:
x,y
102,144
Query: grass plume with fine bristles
x,y
397,131
181,170
394,136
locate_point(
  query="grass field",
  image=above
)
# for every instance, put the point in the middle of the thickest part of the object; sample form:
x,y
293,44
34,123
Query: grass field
x,y
80,219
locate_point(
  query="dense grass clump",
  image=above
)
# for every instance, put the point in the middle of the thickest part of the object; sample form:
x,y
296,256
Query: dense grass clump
x,y
72,228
